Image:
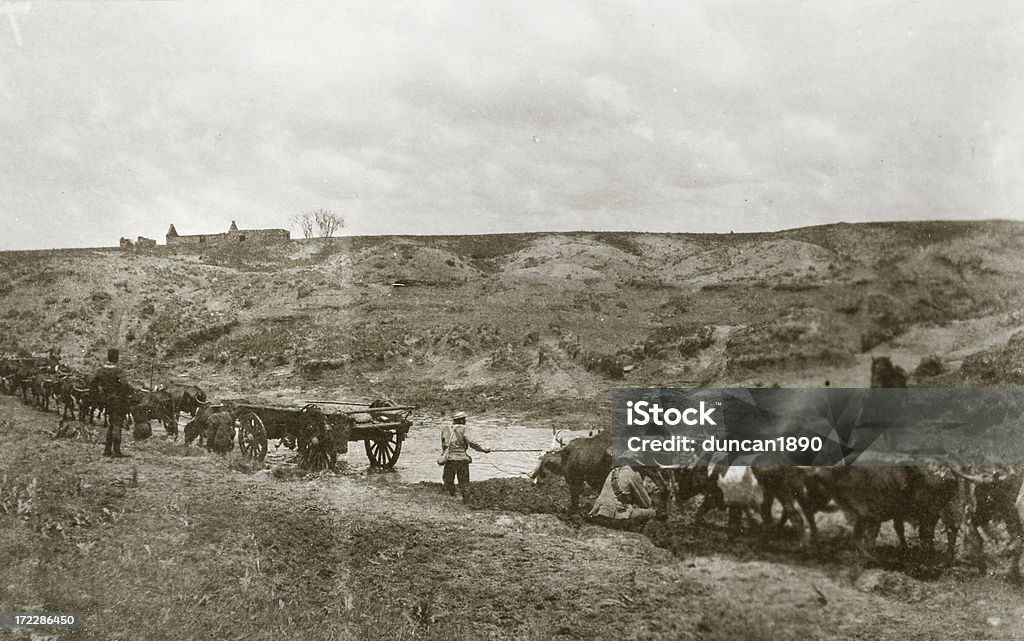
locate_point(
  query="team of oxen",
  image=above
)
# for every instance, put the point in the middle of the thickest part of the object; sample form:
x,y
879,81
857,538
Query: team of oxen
x,y
42,381
961,498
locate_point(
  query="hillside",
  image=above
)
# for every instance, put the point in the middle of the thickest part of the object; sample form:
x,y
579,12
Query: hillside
x,y
544,322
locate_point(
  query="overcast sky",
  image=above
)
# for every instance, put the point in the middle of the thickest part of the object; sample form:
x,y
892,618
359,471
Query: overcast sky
x,y
120,118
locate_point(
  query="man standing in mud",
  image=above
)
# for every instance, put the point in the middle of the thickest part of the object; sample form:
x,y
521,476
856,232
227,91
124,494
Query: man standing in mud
x,y
454,442
114,393
623,500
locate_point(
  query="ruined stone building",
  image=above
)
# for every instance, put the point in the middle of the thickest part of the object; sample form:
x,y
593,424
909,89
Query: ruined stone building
x,y
234,235
141,243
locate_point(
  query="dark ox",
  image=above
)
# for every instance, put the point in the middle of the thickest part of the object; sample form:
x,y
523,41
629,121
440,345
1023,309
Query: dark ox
x,y
220,430
215,425
24,376
186,398
148,405
886,375
870,496
8,368
796,489
588,461
70,390
991,496
43,384
197,427
90,403
800,492
584,461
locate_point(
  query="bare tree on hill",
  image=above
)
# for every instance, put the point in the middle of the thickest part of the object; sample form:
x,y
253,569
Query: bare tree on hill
x,y
324,221
328,222
305,223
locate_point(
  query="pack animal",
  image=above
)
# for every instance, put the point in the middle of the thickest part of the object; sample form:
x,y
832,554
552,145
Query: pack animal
x,y
186,398
201,427
872,496
584,461
24,376
43,384
148,405
8,367
886,375
588,461
69,392
995,496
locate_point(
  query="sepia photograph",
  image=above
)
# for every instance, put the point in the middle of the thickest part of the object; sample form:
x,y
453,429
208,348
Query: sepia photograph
x,y
441,320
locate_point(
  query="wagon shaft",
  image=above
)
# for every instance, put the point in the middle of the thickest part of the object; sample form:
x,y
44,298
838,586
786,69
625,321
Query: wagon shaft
x,y
381,410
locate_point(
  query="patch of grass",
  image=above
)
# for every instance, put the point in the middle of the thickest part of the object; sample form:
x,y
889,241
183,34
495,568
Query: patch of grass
x,y
76,430
239,463
884,327
18,496
754,622
796,286
173,448
202,335
621,241
716,287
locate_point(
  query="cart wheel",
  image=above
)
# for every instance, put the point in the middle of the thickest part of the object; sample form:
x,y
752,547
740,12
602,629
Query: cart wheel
x,y
318,451
383,452
383,418
252,436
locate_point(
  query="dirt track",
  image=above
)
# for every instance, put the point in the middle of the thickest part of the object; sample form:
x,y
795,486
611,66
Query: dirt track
x,y
137,544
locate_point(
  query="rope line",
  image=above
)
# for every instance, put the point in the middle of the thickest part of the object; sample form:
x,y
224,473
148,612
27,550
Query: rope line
x,y
503,470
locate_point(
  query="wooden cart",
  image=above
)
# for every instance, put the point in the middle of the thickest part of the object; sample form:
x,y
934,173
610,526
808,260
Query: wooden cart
x,y
318,435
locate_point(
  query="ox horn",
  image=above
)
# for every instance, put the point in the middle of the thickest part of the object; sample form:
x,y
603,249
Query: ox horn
x,y
975,478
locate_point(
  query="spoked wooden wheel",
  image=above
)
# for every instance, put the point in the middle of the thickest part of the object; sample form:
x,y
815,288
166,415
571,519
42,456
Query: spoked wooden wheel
x,y
317,450
252,436
383,452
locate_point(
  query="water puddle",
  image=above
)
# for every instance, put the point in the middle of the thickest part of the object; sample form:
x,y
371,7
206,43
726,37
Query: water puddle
x,y
418,460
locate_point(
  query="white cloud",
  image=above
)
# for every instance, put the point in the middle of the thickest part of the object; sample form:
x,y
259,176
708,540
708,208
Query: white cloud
x,y
460,116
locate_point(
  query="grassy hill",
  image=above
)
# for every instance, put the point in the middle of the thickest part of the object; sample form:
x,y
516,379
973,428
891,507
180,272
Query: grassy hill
x,y
544,322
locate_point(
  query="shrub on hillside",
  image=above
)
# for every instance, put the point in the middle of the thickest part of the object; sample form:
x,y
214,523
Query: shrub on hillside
x,y
929,366
607,366
884,328
1000,365
692,345
796,286
508,358
647,282
316,366
686,339
802,338
202,335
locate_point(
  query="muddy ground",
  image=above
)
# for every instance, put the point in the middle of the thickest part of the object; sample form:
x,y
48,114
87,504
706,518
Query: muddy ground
x,y
174,543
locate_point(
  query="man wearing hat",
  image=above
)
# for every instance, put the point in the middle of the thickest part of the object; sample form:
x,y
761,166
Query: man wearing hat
x,y
455,458
114,392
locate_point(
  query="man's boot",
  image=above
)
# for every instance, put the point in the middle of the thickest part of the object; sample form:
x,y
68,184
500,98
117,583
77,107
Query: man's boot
x,y
117,450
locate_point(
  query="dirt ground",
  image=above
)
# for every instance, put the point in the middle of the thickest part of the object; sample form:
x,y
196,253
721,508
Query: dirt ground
x,y
174,543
